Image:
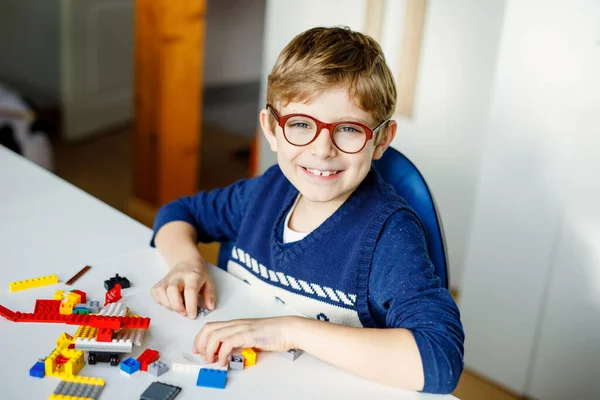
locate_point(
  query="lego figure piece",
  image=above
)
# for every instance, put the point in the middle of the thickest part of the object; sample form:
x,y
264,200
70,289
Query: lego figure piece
x,y
160,391
236,362
130,366
157,368
121,280
212,378
38,370
32,283
78,275
249,357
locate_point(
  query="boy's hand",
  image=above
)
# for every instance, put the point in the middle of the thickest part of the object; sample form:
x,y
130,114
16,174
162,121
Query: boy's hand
x,y
216,340
179,289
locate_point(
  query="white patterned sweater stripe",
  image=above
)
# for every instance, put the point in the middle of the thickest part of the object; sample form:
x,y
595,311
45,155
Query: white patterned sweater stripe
x,y
308,298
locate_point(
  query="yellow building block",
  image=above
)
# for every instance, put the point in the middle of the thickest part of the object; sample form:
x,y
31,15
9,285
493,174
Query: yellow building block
x,y
86,380
86,332
70,368
64,341
58,295
66,308
74,298
249,357
32,283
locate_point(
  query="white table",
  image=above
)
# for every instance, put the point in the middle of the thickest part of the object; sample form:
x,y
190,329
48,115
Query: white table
x,y
48,226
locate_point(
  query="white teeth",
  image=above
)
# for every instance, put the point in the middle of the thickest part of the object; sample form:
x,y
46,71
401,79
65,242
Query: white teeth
x,y
321,173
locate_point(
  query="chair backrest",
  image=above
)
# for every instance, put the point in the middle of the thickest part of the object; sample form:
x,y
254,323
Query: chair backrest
x,y
403,175
408,182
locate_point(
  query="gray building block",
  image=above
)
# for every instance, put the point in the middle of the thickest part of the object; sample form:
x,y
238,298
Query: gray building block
x,y
292,354
157,368
160,391
236,361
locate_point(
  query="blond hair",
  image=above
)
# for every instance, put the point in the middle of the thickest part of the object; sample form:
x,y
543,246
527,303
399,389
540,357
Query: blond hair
x,y
324,58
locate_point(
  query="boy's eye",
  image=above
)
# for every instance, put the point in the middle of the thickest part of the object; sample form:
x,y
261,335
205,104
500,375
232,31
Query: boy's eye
x,y
349,129
299,125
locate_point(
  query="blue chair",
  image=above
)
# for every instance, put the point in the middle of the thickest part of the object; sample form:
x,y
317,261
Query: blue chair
x,y
408,182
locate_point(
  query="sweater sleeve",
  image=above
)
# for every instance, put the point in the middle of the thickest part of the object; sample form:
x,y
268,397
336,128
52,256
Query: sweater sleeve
x,y
216,215
404,292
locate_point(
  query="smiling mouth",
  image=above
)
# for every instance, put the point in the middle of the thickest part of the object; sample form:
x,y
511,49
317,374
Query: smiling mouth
x,y
318,172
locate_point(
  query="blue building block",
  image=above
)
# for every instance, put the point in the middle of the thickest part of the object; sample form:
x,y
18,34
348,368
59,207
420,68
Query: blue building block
x,y
38,370
130,365
212,378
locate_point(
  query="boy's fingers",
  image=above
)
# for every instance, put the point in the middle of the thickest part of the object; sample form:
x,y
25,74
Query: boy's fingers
x,y
191,300
208,295
174,297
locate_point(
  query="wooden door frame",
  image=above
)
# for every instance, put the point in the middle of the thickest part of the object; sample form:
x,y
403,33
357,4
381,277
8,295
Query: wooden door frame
x,y
169,64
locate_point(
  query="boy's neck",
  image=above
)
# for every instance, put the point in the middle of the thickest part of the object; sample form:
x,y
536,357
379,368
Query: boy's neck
x,y
308,215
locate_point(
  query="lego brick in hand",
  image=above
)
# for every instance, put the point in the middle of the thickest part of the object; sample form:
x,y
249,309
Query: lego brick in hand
x,y
32,283
160,391
113,295
157,368
78,275
212,378
249,357
236,361
120,280
130,365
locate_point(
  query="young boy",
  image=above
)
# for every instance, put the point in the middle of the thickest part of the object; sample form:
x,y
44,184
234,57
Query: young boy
x,y
321,231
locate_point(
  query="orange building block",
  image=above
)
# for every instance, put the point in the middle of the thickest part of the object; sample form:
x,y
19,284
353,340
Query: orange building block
x,y
249,357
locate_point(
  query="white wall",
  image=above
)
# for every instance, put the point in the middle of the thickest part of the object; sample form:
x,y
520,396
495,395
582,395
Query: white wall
x,y
545,104
458,59
29,48
234,41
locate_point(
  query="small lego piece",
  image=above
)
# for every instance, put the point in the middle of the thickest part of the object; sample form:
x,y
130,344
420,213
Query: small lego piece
x,y
38,370
58,295
104,335
103,356
78,389
46,307
82,294
212,378
113,295
147,357
78,275
130,365
121,280
203,312
32,283
157,368
160,391
249,357
236,361
292,354
74,298
66,308
93,306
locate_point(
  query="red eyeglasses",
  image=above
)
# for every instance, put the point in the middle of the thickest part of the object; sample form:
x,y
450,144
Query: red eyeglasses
x,y
302,129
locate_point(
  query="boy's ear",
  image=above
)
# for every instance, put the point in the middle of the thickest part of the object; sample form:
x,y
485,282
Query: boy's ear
x,y
388,135
267,131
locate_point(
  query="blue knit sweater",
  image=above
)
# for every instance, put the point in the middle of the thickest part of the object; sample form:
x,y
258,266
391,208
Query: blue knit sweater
x,y
366,265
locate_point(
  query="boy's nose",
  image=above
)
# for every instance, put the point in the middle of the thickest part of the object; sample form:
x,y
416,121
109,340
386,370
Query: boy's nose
x,y
323,147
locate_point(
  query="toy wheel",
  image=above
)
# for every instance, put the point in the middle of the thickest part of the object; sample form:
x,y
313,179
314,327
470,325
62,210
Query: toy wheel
x,y
114,360
91,359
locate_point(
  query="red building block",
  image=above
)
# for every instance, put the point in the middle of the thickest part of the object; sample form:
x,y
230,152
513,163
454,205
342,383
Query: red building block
x,y
147,357
135,322
113,295
104,335
8,314
46,306
82,294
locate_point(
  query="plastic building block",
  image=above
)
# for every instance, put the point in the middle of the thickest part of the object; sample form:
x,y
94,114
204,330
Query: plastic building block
x,y
86,332
78,388
38,370
249,357
203,312
292,354
78,275
147,357
212,378
93,306
66,308
130,365
113,295
114,310
236,361
32,283
8,314
80,310
74,298
157,368
115,346
103,356
58,295
71,367
104,335
64,341
82,294
117,280
160,391
133,335
46,307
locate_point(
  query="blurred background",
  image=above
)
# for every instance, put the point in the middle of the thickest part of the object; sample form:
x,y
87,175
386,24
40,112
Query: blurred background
x,y
139,102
